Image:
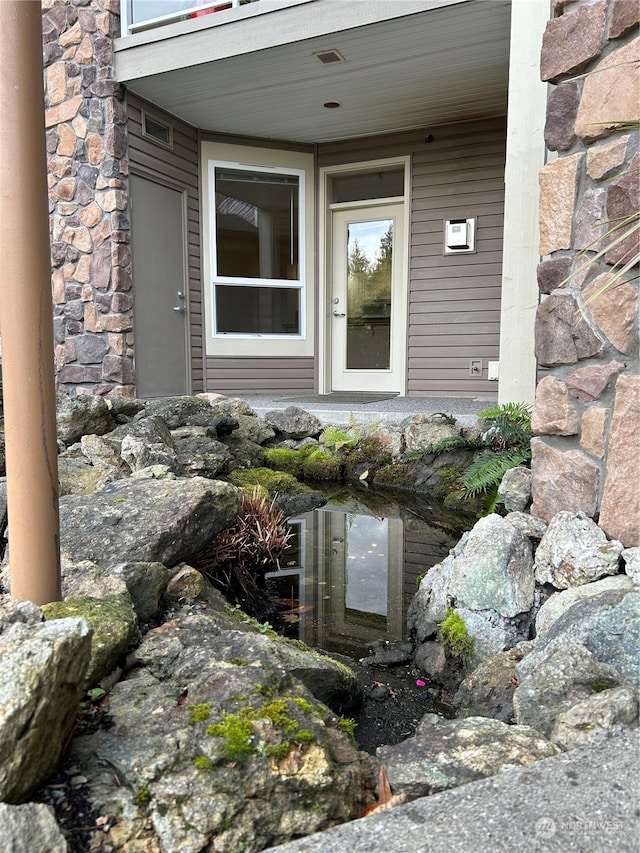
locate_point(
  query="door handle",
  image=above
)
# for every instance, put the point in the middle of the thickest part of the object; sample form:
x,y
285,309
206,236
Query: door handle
x,y
180,309
339,314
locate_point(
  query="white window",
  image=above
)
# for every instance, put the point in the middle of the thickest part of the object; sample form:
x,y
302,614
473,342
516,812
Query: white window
x,y
257,252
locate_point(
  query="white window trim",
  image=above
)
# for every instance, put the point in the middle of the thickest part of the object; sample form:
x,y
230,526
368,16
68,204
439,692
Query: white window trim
x,y
324,230
271,283
268,160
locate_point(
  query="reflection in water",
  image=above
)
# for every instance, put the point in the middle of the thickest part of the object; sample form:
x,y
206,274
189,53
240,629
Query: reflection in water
x,y
351,569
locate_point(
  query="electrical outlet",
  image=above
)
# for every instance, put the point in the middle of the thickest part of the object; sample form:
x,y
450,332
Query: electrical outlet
x,y
475,367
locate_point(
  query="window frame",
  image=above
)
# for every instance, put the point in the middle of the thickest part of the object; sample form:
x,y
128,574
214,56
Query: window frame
x,y
268,283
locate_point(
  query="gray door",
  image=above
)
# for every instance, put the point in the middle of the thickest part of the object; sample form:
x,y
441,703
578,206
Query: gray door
x,y
158,228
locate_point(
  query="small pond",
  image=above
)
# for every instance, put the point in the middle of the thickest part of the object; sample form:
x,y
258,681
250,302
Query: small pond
x,y
351,569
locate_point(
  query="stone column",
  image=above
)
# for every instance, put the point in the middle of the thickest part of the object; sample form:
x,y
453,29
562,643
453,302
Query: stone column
x,y
587,410
88,188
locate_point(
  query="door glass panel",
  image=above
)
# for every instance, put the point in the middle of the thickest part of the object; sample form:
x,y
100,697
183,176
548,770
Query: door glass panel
x,y
256,224
257,310
369,269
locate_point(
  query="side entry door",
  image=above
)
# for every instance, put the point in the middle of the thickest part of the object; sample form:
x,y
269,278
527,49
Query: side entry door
x,y
161,310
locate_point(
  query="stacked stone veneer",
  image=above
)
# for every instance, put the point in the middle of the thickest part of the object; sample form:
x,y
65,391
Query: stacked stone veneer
x,y
586,455
86,150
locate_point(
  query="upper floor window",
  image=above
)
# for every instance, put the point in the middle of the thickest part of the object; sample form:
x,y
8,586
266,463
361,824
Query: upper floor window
x,y
257,261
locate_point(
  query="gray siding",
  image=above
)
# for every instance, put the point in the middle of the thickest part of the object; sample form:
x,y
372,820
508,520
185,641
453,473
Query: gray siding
x,y
454,301
180,165
278,375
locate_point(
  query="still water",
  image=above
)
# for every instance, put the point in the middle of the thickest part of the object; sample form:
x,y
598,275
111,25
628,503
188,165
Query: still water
x,y
350,572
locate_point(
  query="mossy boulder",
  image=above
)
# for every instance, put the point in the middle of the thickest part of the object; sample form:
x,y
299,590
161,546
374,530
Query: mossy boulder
x,y
322,465
114,624
286,459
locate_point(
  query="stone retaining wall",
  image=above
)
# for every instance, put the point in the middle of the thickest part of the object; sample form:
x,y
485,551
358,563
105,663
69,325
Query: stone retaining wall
x,y
87,165
586,455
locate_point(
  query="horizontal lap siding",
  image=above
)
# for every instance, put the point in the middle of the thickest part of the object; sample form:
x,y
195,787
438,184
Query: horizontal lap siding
x,y
272,375
454,301
180,165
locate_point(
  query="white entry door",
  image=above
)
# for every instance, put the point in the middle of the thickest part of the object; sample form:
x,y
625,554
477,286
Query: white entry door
x,y
368,299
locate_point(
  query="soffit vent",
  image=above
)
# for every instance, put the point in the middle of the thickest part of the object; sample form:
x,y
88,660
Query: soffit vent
x,y
329,57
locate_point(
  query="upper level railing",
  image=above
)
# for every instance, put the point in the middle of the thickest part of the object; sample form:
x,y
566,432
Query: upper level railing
x,y
139,15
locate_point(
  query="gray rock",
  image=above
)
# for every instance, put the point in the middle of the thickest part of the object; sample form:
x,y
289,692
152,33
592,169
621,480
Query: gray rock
x,y
488,690
76,476
244,452
253,428
140,520
495,569
389,438
423,430
533,527
43,668
82,415
559,602
293,422
30,828
446,753
24,612
182,411
608,624
515,489
493,633
186,584
113,623
305,501
3,503
103,452
429,605
246,792
200,452
596,718
233,406
148,442
553,682
631,557
430,659
574,551
146,584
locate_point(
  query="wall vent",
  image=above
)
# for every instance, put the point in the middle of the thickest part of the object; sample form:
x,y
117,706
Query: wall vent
x,y
329,57
159,131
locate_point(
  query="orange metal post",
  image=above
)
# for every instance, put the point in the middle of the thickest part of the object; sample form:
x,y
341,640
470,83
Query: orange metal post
x,y
26,322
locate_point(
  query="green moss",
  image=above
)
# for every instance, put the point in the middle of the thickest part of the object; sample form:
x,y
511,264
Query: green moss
x,y
303,704
348,725
322,465
237,731
275,482
304,736
448,483
239,661
396,476
454,636
285,459
603,683
203,763
143,795
278,750
199,713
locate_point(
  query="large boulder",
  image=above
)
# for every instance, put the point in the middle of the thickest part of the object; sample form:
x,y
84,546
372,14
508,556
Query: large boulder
x,y
293,422
495,570
200,452
146,520
221,744
42,671
575,551
82,415
446,753
29,828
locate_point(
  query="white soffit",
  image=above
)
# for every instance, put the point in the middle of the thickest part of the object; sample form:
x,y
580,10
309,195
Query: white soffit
x,y
423,68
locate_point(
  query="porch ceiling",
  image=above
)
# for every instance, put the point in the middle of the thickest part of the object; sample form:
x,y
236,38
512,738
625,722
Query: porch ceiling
x,y
436,61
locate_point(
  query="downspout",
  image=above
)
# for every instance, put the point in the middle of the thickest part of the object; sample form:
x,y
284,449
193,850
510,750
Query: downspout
x,y
26,322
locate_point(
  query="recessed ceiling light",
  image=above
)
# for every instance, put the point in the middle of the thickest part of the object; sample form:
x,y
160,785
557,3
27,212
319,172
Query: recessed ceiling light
x,y
331,105
328,57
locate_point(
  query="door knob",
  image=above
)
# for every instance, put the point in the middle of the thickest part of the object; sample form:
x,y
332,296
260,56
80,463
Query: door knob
x,y
180,309
339,314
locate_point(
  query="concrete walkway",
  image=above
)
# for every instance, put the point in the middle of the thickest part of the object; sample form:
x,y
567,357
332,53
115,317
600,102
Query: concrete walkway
x,y
586,800
336,409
